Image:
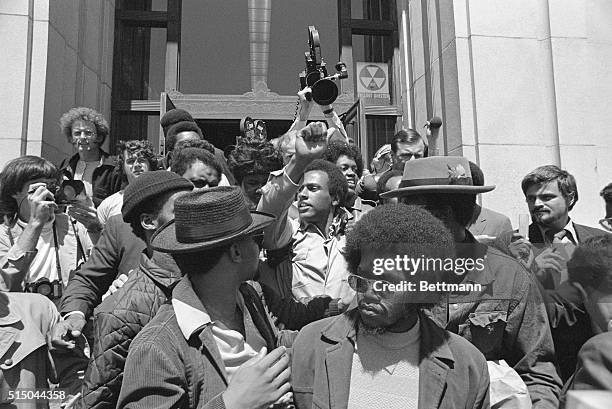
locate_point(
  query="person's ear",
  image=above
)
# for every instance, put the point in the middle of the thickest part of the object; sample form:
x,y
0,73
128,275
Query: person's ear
x,y
148,222
235,252
335,201
571,200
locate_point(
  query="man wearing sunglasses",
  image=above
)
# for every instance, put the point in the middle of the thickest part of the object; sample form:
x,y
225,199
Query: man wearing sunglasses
x,y
387,352
506,319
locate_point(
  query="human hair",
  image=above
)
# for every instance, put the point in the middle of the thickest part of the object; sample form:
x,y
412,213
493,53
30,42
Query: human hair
x,y
550,173
337,184
381,184
16,173
253,158
398,227
193,143
142,148
606,193
337,149
184,126
152,206
84,114
188,156
591,263
201,261
410,136
477,175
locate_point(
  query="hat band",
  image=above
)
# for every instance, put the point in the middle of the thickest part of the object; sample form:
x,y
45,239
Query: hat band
x,y
466,181
192,231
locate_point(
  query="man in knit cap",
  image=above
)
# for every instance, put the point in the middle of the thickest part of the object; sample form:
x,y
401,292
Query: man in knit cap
x,y
147,204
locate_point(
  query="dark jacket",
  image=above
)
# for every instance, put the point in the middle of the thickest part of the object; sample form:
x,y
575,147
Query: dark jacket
x,y
106,180
570,324
452,373
117,322
505,320
165,370
116,252
121,317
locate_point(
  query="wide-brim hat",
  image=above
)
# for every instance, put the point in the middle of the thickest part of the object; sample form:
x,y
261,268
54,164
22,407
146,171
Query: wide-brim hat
x,y
207,219
438,174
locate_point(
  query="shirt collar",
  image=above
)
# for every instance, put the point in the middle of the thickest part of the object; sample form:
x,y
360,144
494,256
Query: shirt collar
x,y
336,227
569,228
191,315
471,248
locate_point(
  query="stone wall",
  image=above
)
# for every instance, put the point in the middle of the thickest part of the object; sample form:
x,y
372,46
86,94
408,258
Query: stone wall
x,y
56,55
519,84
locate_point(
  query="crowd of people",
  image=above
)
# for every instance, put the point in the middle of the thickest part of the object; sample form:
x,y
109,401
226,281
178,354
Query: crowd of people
x,y
276,274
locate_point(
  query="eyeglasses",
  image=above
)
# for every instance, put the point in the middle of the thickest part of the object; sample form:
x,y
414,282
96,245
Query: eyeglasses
x,y
363,285
606,223
258,239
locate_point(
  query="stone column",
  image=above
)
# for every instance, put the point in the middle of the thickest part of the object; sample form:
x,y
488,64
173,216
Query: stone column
x,y
260,12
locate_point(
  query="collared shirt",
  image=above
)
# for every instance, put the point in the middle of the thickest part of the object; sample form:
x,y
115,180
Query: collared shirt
x,y
567,235
319,268
235,349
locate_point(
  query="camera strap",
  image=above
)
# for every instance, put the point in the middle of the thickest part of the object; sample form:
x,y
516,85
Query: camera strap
x,y
58,266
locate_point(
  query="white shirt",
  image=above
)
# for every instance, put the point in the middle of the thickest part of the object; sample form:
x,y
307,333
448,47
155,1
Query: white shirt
x,y
110,206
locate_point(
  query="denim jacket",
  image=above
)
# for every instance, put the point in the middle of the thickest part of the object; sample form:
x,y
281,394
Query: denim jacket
x,y
506,320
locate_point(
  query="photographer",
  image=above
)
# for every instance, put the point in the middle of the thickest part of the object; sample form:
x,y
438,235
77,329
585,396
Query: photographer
x,y
39,249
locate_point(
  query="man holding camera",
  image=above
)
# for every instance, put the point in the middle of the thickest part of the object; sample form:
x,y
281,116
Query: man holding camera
x,y
39,248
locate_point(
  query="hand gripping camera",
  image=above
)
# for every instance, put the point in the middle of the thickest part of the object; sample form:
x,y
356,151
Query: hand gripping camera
x,y
324,89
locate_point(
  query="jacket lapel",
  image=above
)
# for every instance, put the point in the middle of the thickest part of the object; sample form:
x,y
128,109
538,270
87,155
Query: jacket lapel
x,y
338,361
436,358
209,347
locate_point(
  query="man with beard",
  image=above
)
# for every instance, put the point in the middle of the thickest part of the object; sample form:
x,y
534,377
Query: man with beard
x,y
387,353
506,319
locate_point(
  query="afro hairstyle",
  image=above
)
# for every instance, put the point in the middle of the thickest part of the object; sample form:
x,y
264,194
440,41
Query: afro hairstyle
x,y
84,114
337,149
391,226
606,193
337,184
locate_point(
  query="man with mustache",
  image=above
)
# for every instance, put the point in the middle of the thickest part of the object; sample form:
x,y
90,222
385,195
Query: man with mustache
x,y
387,352
551,193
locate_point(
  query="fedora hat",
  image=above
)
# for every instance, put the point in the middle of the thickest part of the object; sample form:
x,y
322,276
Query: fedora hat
x,y
438,174
207,219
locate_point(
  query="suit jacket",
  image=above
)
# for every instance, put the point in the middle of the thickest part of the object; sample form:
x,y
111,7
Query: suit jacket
x,y
452,372
583,233
489,223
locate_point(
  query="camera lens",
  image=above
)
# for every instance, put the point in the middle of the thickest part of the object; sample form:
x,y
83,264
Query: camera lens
x,y
324,92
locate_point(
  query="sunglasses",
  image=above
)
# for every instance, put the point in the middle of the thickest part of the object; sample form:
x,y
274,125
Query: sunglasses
x,y
606,223
363,285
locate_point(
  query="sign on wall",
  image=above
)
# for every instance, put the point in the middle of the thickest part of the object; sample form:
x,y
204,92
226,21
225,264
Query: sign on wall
x,y
373,81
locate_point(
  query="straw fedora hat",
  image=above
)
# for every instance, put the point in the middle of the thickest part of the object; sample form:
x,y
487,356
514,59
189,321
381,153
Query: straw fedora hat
x,y
207,219
438,174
